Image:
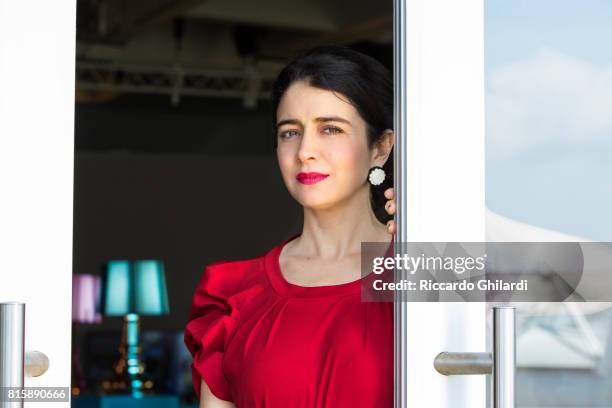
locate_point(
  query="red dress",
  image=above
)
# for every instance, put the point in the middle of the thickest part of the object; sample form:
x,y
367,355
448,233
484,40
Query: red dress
x,y
260,341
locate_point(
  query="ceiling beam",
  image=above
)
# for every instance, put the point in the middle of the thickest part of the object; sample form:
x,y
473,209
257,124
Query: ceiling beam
x,y
372,29
129,19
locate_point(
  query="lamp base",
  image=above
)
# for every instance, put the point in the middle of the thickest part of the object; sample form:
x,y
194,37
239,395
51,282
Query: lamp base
x,y
129,375
135,386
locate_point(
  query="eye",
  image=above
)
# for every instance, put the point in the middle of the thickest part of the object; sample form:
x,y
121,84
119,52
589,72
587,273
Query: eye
x,y
332,130
288,133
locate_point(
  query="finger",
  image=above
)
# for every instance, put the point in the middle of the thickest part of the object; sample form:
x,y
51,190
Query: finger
x,y
391,226
390,207
389,193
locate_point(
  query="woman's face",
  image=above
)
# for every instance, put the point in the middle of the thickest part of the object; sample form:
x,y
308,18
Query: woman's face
x,y
319,131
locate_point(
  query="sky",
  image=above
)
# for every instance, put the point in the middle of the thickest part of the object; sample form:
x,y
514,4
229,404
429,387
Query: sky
x,y
548,110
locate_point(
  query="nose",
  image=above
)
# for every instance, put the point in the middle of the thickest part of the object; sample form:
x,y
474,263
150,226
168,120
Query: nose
x,y
309,146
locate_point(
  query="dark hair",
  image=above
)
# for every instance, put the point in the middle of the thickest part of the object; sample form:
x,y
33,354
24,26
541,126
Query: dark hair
x,y
363,80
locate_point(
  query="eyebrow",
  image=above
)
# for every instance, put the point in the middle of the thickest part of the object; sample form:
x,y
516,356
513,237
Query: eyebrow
x,y
319,119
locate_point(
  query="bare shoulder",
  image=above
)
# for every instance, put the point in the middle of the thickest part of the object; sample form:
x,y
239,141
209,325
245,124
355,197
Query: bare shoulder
x,y
209,400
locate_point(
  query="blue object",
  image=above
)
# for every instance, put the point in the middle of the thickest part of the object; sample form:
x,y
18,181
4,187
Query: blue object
x,y
137,287
125,401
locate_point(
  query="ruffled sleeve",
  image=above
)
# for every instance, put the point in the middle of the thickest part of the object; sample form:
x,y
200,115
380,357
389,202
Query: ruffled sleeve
x,y
210,322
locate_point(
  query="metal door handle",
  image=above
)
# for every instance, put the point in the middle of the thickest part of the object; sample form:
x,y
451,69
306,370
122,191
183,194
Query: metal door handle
x,y
36,363
501,364
15,362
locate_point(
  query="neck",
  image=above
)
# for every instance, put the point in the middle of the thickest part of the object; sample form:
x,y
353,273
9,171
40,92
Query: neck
x,y
339,230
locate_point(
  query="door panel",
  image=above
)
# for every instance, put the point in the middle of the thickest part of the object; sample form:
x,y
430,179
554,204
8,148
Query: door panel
x,y
37,45
439,79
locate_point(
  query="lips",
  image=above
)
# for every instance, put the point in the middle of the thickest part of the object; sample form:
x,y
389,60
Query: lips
x,y
310,178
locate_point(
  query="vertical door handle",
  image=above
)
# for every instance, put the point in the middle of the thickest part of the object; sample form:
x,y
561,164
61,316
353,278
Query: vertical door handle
x,y
12,328
15,362
500,364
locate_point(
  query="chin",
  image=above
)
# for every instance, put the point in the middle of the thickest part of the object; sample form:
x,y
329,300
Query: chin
x,y
310,201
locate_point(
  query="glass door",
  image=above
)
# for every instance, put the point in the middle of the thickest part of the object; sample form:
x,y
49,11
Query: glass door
x,y
548,78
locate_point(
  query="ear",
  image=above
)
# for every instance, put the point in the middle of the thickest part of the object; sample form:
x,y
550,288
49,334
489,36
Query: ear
x,y
382,148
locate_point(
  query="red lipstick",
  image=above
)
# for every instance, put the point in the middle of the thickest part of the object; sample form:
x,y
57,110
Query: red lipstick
x,y
310,178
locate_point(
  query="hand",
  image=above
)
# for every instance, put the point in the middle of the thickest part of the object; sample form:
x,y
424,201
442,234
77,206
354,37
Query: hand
x,y
390,208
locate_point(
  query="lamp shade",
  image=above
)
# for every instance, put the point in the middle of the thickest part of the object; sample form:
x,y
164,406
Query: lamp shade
x,y
135,287
86,298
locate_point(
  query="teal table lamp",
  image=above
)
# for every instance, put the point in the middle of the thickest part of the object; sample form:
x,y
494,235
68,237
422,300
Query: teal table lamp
x,y
132,289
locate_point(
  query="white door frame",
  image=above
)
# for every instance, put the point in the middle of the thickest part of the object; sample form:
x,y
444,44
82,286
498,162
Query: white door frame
x,y
37,59
440,184
439,178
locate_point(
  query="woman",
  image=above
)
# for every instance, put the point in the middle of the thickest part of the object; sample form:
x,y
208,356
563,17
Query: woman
x,y
289,328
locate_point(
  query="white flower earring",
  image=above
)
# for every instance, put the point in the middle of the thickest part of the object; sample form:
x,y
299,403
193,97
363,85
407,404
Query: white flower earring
x,y
376,176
